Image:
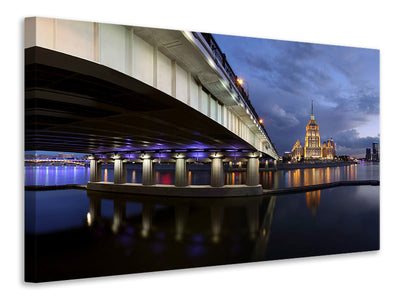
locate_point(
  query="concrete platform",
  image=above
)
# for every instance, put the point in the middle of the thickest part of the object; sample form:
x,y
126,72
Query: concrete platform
x,y
202,191
315,187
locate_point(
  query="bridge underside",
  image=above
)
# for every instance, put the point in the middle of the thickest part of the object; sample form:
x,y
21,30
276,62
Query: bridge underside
x,y
74,105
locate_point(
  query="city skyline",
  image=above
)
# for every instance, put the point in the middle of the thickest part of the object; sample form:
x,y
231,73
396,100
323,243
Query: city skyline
x,y
283,78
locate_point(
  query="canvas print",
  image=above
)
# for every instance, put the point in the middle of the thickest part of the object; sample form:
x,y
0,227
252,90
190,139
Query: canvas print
x,y
149,149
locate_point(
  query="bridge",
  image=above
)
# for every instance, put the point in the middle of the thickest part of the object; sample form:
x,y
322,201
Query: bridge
x,y
56,161
126,93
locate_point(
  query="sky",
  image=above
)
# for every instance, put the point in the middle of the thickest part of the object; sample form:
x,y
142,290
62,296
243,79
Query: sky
x,y
283,78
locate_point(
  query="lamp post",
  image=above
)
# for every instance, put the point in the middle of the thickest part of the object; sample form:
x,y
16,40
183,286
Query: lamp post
x,y
241,81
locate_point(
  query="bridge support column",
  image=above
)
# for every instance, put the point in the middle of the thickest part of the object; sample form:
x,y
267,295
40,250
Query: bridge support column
x,y
275,163
181,174
119,170
217,170
253,176
95,169
149,170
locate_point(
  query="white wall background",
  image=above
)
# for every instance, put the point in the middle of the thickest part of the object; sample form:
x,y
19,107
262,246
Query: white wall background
x,y
350,276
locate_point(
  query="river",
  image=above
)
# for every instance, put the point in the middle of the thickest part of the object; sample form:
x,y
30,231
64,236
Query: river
x,y
77,233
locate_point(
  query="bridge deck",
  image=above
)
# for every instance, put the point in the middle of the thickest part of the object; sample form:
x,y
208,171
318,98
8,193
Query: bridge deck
x,y
75,105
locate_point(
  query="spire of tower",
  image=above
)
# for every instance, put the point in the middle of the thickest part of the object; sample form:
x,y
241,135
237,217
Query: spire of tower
x,y
312,110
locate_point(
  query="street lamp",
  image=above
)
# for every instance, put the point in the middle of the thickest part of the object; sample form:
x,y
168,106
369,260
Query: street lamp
x,y
241,81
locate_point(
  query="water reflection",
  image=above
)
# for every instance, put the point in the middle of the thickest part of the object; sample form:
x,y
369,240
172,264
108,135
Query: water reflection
x,y
180,214
103,233
313,199
134,176
299,177
147,218
106,175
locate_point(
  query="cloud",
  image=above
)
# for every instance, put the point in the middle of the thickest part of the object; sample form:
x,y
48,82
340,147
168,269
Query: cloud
x,y
349,141
285,76
290,69
282,118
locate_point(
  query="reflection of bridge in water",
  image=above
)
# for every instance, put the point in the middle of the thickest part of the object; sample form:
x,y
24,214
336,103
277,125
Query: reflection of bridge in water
x,y
248,220
129,94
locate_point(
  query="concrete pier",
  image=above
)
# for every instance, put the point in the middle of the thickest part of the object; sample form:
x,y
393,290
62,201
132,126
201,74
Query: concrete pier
x,y
181,172
149,171
217,170
203,191
315,187
120,174
95,169
253,174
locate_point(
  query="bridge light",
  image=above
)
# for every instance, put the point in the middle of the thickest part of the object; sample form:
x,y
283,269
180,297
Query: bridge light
x,y
240,81
261,121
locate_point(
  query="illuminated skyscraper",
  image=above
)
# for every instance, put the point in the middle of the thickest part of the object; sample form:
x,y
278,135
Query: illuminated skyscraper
x,y
375,151
368,154
312,148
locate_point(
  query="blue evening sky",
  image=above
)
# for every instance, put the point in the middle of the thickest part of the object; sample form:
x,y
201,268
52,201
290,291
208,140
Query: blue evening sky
x,y
283,77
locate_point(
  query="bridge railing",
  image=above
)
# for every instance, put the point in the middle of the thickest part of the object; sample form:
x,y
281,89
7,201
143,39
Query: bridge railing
x,y
220,60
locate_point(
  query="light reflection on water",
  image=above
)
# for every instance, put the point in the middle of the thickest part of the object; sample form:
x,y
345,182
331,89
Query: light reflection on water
x,y
59,175
105,233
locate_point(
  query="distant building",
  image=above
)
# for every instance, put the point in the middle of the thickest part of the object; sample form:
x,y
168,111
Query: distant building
x,y
368,156
328,150
313,148
44,156
297,151
287,155
375,152
65,155
334,147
